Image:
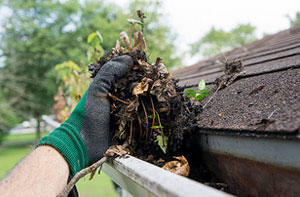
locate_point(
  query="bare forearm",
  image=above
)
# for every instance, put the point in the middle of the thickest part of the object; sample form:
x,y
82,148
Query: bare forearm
x,y
42,173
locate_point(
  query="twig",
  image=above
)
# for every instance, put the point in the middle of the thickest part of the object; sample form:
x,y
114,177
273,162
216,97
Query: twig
x,y
130,137
130,33
117,99
212,97
81,174
146,116
272,113
153,121
140,124
160,125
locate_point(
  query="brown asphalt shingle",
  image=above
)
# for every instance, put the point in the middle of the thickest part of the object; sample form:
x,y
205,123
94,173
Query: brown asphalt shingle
x,y
270,86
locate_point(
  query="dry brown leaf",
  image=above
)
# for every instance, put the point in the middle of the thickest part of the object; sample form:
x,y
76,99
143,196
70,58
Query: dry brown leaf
x,y
163,89
60,105
132,107
142,86
139,41
160,160
116,150
162,70
124,38
150,157
180,167
163,109
144,64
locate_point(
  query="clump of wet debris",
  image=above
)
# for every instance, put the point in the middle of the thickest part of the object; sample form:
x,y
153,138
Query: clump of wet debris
x,y
149,112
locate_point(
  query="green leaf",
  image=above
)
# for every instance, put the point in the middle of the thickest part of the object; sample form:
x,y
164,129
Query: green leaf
x,y
157,127
204,91
199,97
201,84
90,53
95,37
133,21
150,116
91,37
190,93
99,36
162,142
201,94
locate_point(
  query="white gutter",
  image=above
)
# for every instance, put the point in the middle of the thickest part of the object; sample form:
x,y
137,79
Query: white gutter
x,y
140,178
278,152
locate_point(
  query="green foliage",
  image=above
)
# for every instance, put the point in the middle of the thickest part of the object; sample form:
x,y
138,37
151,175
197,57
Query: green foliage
x,y
162,142
294,20
7,117
95,50
199,94
157,127
161,139
76,81
216,40
13,152
41,34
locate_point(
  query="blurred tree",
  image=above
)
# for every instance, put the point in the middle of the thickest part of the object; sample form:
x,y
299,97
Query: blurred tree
x,y
294,20
7,117
38,35
216,40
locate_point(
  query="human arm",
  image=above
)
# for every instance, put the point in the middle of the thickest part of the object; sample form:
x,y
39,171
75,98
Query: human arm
x,y
44,172
84,137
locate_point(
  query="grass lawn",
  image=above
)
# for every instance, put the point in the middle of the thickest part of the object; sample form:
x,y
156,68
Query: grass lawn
x,y
14,150
21,137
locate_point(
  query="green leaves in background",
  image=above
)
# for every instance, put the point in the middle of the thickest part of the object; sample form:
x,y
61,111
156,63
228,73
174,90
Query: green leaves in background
x,y
38,35
95,50
294,20
218,39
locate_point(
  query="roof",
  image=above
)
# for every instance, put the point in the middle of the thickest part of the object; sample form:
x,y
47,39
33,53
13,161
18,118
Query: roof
x,y
264,99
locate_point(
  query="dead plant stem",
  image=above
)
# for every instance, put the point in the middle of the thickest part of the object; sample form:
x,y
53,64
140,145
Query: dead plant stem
x,y
131,129
117,99
146,116
153,121
210,99
79,175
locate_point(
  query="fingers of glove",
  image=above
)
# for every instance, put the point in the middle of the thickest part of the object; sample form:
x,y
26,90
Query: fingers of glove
x,y
116,67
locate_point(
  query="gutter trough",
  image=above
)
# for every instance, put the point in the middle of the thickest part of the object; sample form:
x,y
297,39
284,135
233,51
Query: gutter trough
x,y
249,165
140,178
253,166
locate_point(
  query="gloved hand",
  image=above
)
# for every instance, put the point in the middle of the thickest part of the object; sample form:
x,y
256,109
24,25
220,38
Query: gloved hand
x,y
84,137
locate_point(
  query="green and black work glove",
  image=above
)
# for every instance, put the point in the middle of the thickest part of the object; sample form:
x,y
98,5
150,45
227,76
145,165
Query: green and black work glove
x,y
84,137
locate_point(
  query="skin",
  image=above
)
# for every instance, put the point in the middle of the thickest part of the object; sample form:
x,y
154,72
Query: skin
x,y
44,172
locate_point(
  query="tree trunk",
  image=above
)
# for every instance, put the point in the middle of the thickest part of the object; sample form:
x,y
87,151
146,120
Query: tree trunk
x,y
38,128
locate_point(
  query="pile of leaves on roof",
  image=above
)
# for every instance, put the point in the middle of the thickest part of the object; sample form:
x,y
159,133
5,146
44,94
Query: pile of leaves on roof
x,y
149,113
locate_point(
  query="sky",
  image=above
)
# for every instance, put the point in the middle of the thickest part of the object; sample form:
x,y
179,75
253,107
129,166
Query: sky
x,y
192,19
